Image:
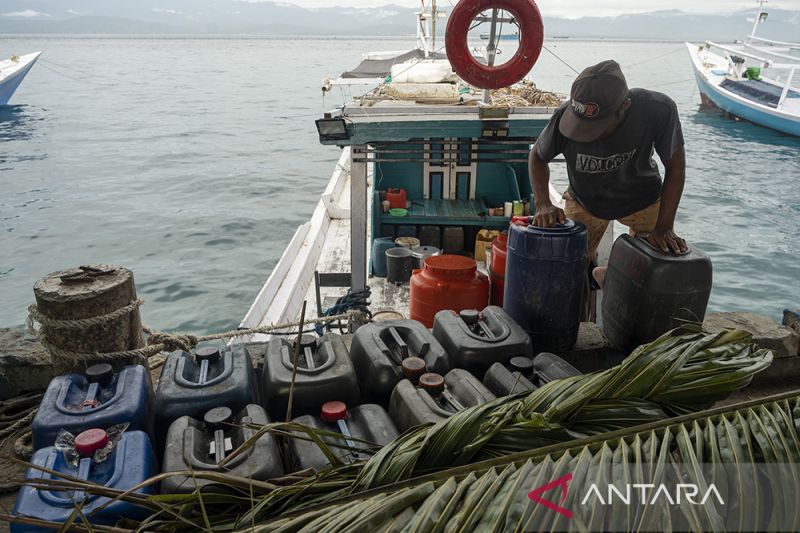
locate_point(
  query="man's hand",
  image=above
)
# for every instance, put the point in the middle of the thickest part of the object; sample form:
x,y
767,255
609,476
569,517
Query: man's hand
x,y
665,240
548,216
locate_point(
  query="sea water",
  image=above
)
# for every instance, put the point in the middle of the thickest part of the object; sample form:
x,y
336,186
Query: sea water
x,y
192,161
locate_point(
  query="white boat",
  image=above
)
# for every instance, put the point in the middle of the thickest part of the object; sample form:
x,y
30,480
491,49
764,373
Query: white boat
x,y
752,80
461,161
12,72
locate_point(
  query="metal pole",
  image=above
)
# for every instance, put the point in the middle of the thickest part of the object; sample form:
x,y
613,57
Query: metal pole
x,y
758,19
358,219
491,50
786,89
433,26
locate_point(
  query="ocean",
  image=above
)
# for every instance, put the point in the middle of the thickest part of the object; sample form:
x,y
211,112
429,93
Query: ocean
x,y
193,160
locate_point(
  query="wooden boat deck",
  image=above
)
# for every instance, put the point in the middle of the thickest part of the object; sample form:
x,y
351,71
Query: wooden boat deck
x,y
323,245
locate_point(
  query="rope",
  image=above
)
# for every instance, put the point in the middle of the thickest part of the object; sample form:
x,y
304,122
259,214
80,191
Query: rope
x,y
651,59
73,78
23,445
79,323
559,58
358,301
19,424
157,341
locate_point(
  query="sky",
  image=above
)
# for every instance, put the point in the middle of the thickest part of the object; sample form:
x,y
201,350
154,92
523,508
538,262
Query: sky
x,y
582,8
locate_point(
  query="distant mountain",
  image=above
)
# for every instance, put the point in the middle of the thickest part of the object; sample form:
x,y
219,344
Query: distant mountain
x,y
271,18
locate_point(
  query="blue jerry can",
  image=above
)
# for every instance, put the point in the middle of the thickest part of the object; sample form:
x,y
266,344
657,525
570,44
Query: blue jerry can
x,y
131,462
545,273
99,397
191,384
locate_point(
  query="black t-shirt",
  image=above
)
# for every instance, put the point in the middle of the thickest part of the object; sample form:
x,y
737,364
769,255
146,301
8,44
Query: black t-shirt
x,y
616,177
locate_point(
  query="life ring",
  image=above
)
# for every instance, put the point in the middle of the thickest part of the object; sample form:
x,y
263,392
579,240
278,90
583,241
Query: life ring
x,y
531,32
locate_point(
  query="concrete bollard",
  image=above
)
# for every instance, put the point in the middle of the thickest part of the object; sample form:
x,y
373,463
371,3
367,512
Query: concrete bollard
x,y
88,310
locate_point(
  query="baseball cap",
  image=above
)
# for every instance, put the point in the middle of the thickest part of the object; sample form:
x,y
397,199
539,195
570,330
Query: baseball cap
x,y
595,97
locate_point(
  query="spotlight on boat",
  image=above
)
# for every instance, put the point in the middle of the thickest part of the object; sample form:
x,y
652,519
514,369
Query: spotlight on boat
x,y
332,129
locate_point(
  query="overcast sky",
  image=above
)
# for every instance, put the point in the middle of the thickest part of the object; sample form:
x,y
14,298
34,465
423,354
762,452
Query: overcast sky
x,y
582,8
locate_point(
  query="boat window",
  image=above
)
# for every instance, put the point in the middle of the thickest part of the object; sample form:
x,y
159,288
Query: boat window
x,y
437,156
464,152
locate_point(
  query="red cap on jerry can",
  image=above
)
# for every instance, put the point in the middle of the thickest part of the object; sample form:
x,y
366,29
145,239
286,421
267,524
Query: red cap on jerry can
x,y
433,383
333,411
89,441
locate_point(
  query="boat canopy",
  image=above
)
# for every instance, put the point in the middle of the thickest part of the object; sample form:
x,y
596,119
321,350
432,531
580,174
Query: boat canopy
x,y
380,66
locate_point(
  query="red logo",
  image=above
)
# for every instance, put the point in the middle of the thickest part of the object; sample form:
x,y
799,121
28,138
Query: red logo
x,y
591,110
562,482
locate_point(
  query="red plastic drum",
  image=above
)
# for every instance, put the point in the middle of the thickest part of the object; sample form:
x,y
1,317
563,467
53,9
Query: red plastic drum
x,y
447,282
497,270
531,31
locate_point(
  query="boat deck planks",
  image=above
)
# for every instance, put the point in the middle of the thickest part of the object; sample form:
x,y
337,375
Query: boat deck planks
x,y
335,258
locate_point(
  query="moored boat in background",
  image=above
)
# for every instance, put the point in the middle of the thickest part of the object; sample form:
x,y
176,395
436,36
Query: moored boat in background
x,y
459,152
752,80
12,71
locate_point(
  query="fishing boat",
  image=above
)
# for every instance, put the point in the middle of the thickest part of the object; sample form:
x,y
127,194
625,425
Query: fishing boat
x,y
502,37
461,153
753,80
12,71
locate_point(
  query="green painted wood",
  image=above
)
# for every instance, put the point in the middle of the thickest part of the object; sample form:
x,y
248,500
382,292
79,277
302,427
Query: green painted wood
x,y
377,129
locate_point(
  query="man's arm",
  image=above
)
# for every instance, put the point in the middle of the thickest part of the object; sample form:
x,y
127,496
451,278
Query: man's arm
x,y
663,237
547,215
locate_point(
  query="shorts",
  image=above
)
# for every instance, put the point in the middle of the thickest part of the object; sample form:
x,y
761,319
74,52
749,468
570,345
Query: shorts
x,y
643,221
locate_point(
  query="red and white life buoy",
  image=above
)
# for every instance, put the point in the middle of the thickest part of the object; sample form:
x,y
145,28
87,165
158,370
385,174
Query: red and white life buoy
x,y
531,31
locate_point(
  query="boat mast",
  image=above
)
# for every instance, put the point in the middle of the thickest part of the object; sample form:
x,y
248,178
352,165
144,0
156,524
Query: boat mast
x,y
424,30
757,21
491,51
433,26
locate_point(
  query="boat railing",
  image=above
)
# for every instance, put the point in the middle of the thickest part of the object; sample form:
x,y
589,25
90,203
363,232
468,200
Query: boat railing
x,y
766,63
773,53
790,45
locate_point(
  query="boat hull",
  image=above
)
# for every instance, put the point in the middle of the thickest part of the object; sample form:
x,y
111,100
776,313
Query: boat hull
x,y
712,93
10,83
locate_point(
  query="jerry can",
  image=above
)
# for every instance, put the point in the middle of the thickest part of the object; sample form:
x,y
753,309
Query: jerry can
x,y
99,397
549,367
380,348
130,462
648,292
436,398
513,377
202,444
324,373
192,384
368,422
476,340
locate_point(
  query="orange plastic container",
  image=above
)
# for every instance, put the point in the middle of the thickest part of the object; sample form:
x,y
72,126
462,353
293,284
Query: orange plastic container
x,y
447,282
397,198
497,269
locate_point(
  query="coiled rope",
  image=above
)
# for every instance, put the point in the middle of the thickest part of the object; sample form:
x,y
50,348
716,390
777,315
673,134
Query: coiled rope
x,y
16,415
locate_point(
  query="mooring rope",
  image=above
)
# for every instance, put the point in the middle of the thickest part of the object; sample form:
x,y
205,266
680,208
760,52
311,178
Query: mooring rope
x,y
34,314
157,341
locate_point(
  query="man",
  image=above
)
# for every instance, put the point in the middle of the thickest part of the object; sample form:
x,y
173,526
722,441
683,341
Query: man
x,y
608,134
